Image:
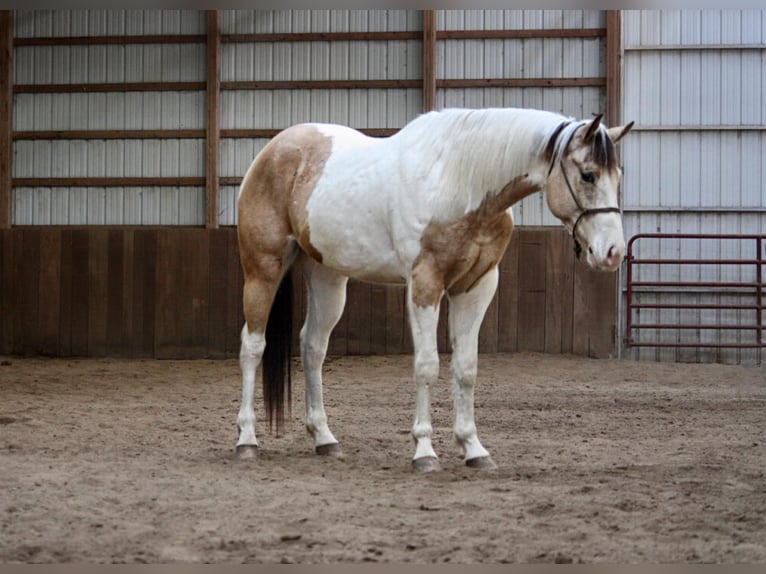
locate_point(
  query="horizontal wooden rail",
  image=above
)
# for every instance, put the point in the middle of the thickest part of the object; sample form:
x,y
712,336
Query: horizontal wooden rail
x,y
108,134
233,133
522,83
108,181
543,33
109,40
109,87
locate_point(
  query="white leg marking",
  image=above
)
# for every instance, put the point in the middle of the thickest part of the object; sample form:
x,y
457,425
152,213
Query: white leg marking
x,y
326,299
423,323
465,316
250,353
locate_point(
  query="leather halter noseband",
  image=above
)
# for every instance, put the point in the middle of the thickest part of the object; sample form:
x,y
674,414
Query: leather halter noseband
x,y
583,212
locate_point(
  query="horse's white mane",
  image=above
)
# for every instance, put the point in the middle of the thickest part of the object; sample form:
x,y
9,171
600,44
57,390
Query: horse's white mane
x,y
477,152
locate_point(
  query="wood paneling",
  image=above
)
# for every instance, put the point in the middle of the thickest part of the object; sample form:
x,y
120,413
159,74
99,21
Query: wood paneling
x,y
177,293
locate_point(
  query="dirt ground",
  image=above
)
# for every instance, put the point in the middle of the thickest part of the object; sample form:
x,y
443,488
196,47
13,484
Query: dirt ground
x,y
599,461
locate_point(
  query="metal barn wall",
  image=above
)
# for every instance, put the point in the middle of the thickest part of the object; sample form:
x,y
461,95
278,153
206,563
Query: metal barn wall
x,y
694,83
146,109
315,61
525,58
133,110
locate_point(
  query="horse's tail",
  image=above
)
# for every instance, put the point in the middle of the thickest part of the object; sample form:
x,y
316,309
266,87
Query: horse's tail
x,y
277,380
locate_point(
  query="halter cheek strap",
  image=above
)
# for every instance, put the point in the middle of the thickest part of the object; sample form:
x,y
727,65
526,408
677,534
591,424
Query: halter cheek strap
x,y
583,212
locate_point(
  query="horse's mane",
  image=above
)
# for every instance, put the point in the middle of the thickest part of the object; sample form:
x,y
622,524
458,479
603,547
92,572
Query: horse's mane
x,y
477,152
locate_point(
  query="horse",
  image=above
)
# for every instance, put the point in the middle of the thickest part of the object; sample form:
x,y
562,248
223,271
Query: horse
x,y
428,208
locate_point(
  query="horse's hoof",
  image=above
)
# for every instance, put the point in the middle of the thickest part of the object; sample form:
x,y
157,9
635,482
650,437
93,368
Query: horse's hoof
x,y
426,464
245,451
333,449
481,463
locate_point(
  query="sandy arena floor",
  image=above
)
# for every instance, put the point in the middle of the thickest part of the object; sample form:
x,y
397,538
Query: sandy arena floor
x,y
599,461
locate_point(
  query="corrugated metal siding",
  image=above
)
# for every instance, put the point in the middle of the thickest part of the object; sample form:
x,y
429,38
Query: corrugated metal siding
x,y
527,58
107,111
278,109
267,109
699,75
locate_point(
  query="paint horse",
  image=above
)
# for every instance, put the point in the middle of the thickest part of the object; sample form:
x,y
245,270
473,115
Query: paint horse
x,y
429,208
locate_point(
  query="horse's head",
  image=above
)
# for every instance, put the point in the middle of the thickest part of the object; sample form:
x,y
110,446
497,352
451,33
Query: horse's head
x,y
582,190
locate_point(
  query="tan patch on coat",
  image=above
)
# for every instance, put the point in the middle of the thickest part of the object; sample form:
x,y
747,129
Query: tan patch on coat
x,y
455,255
271,207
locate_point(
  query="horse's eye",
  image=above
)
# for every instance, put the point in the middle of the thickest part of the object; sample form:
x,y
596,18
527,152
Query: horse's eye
x,y
588,177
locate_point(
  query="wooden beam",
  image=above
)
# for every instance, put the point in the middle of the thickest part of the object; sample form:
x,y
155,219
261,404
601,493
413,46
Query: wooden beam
x,y
320,85
6,116
110,40
108,134
614,51
521,83
520,34
429,60
108,182
110,87
213,134
319,37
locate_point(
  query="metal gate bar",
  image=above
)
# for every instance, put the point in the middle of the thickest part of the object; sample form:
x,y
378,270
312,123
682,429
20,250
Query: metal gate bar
x,y
740,288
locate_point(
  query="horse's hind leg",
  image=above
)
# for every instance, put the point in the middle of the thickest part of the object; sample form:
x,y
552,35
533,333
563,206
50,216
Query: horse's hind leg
x,y
257,297
326,300
466,312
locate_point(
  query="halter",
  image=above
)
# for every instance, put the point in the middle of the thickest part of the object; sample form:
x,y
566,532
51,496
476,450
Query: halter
x,y
583,212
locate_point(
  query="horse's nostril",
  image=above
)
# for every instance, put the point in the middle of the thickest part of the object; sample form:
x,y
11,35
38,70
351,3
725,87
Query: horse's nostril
x,y
590,250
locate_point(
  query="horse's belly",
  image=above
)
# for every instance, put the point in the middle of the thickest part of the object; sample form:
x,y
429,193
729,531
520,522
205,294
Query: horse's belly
x,y
355,244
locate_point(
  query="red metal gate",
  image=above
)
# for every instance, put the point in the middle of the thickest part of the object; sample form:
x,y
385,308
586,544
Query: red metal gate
x,y
752,291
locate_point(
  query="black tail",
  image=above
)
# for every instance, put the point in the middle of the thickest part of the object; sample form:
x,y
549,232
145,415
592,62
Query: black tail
x,y
277,380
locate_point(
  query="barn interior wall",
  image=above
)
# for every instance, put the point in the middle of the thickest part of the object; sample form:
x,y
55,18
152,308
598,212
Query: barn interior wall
x,y
694,85
102,231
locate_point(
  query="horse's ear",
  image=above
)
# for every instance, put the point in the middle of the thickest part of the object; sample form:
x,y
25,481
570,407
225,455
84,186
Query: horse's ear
x,y
592,128
618,132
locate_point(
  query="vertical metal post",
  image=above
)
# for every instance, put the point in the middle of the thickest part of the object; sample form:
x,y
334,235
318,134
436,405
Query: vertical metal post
x,y
629,295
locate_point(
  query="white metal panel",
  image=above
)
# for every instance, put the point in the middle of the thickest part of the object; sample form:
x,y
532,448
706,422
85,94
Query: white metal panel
x,y
703,180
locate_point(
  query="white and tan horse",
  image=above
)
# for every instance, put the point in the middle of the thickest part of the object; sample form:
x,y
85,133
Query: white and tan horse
x,y
428,208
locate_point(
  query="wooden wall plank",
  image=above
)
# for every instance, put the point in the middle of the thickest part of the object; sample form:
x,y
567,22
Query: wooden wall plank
x,y
65,290
235,316
218,304
555,285
80,293
50,291
178,293
359,317
508,297
488,334
580,311
197,262
339,337
26,326
531,328
378,320
144,292
395,320
115,280
6,291
98,291
128,282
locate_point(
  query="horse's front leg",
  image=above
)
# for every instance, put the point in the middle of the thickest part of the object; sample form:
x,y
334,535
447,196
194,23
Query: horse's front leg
x,y
466,313
424,319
